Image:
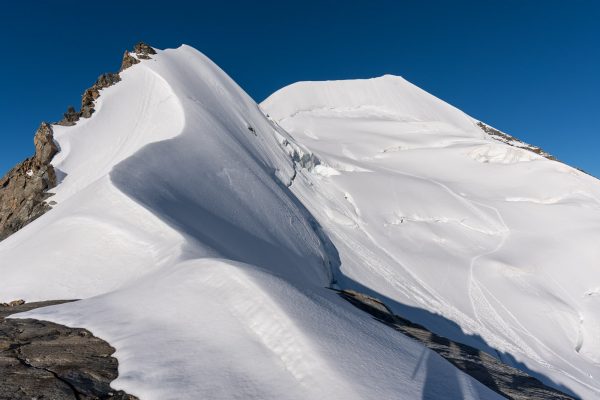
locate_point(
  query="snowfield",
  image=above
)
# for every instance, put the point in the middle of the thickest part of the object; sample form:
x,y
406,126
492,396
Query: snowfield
x,y
202,232
488,244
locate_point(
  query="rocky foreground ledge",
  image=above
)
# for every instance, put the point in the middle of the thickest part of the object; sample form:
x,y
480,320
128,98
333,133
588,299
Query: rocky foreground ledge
x,y
44,360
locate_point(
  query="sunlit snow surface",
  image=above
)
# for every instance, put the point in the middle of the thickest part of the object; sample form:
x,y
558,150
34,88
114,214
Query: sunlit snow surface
x,y
498,244
208,274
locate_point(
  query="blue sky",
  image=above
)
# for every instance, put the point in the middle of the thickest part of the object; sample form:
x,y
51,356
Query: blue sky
x,y
530,68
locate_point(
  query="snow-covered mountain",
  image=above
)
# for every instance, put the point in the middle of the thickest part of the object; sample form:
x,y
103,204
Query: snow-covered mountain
x,y
491,244
203,232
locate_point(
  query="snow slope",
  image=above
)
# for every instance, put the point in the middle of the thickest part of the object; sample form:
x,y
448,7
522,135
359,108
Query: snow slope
x,y
175,223
485,243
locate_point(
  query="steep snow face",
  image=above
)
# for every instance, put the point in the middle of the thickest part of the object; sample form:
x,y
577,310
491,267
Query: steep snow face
x,y
486,243
174,222
174,137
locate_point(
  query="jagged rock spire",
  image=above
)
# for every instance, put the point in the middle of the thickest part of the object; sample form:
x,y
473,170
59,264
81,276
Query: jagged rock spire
x,y
141,51
23,190
45,147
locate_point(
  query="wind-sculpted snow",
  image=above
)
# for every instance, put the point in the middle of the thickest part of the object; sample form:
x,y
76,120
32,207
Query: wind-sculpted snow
x,y
224,195
451,225
176,224
93,220
214,329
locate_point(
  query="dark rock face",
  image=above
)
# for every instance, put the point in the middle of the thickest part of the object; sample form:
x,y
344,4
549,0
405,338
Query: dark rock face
x,y
23,190
128,61
141,51
512,141
90,95
13,303
43,360
45,148
88,100
501,378
70,117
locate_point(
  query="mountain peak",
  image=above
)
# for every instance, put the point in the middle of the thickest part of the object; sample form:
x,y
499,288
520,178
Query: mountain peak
x,y
392,96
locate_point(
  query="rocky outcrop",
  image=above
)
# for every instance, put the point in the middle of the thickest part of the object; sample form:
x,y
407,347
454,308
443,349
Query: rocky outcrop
x,y
88,100
24,189
499,377
13,303
128,61
141,51
43,360
70,117
512,141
